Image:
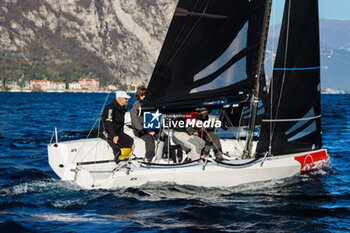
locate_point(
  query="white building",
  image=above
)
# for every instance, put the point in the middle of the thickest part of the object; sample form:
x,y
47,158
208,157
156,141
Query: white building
x,y
74,86
58,86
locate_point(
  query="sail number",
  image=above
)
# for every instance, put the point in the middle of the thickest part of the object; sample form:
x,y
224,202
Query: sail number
x,y
314,165
312,161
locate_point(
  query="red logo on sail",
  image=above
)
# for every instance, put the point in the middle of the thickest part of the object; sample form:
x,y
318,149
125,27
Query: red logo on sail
x,y
312,160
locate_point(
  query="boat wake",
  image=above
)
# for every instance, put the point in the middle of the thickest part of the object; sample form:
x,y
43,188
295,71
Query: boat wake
x,y
40,186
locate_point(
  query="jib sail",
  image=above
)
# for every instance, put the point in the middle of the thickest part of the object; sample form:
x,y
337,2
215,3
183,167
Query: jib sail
x,y
292,122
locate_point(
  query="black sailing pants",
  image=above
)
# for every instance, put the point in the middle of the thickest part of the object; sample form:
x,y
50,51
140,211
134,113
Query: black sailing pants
x,y
125,141
150,145
211,139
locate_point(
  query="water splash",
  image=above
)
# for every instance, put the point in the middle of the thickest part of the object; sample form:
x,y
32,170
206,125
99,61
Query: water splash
x,y
38,186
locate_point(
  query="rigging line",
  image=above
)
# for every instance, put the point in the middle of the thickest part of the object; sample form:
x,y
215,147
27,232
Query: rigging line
x,y
179,48
296,119
178,36
284,65
85,139
271,80
66,135
105,102
98,131
248,135
213,142
240,121
232,127
103,106
237,165
233,131
118,69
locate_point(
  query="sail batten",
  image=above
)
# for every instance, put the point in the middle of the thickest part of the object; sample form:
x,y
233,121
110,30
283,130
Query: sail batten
x,y
286,120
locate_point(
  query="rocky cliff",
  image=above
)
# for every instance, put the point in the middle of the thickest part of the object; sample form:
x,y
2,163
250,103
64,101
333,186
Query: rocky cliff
x,y
119,39
116,40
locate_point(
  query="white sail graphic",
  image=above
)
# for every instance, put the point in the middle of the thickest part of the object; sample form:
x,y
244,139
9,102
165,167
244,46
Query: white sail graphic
x,y
234,73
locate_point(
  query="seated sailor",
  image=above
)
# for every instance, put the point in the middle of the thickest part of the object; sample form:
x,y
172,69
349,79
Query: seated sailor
x,y
212,141
112,125
184,137
137,123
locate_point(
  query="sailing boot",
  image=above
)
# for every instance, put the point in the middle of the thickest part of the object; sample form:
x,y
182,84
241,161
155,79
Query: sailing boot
x,y
218,155
149,156
205,151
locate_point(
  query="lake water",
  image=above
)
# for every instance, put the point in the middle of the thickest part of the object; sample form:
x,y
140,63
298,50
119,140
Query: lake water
x,y
32,198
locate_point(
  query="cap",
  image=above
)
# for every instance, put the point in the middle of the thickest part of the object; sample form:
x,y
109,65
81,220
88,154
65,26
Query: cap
x,y
122,94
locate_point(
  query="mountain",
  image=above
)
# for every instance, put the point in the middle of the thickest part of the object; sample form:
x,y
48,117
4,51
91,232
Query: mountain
x,y
118,40
335,53
335,33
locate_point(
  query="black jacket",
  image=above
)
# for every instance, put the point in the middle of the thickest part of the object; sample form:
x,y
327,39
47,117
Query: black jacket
x,y
112,122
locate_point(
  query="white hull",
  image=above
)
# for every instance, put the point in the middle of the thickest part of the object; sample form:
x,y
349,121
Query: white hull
x,y
63,158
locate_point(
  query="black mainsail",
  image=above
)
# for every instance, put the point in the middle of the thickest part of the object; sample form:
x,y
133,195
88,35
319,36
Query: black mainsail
x,y
292,122
210,53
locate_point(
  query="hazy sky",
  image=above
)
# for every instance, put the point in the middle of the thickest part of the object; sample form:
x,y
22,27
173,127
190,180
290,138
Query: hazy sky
x,y
328,9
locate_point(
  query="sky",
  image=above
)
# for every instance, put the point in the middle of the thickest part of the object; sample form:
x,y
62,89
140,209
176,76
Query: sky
x,y
328,9
334,9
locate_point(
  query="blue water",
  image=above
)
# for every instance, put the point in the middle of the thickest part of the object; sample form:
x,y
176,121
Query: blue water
x,y
33,199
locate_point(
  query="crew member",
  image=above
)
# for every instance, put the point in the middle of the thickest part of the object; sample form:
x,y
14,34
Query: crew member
x,y
137,124
112,124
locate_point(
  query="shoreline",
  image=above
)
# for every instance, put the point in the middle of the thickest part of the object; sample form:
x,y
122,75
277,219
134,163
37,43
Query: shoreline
x,y
57,91
104,91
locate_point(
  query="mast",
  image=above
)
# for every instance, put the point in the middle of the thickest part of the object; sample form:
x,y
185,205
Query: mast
x,y
259,74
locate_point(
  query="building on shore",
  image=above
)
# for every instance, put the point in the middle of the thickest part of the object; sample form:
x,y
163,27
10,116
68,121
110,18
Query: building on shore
x,y
39,85
91,84
60,86
74,86
46,85
12,85
84,84
332,91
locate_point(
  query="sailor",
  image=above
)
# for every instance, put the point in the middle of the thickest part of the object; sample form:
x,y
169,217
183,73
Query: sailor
x,y
212,141
112,124
186,138
137,124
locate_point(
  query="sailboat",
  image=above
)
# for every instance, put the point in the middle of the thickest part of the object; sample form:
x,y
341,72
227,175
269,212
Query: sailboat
x,y
213,58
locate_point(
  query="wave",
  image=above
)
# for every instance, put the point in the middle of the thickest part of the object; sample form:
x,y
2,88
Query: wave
x,y
40,186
